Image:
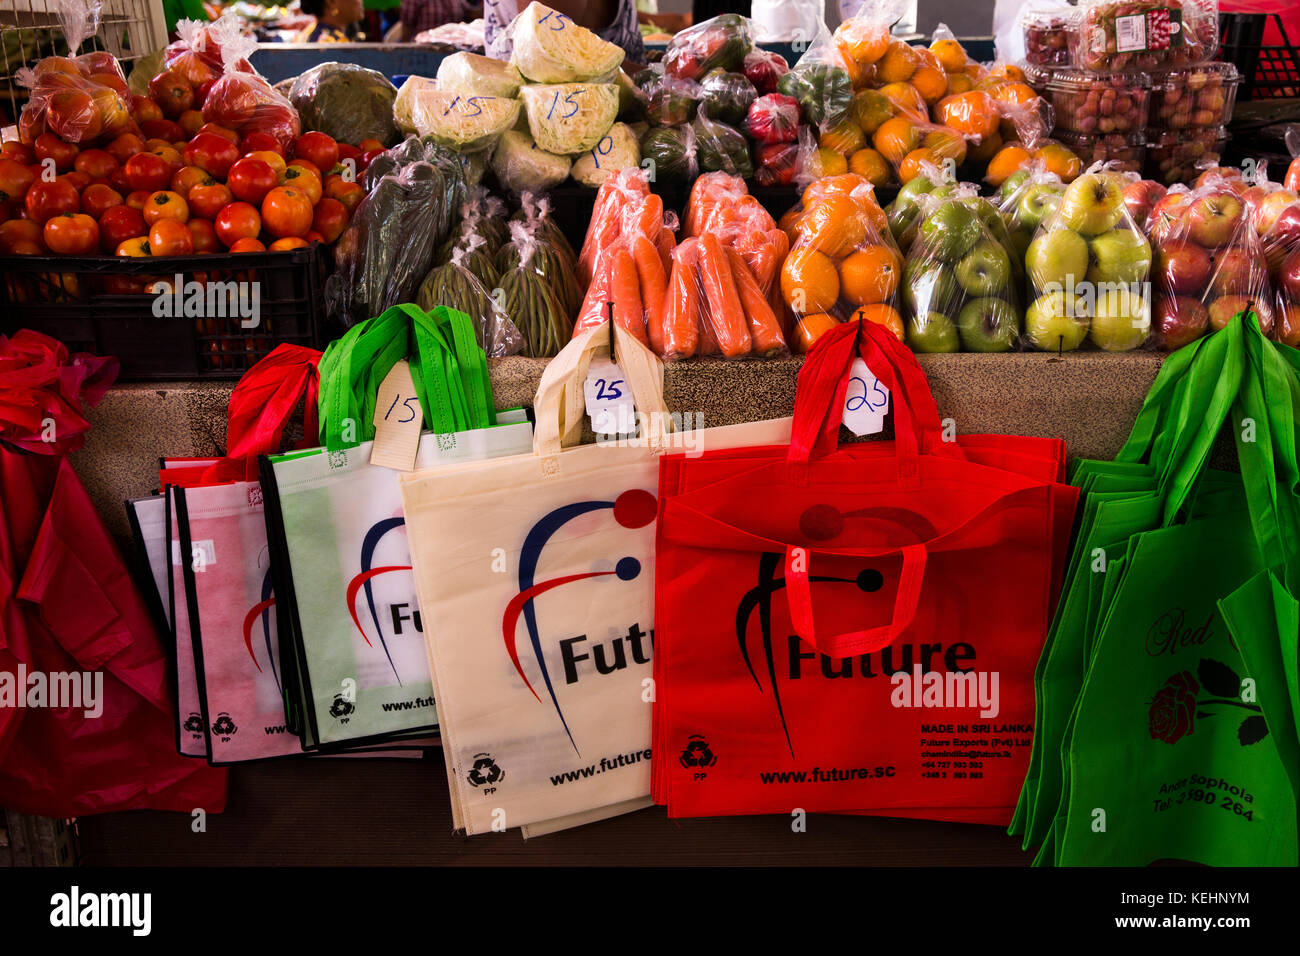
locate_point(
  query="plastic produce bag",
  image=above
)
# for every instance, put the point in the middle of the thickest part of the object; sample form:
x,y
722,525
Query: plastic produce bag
x,y
479,75
721,43
413,191
571,117
763,68
671,152
550,48
80,99
842,262
198,53
721,148
666,100
533,292
726,97
455,286
520,165
1088,266
479,235
619,149
822,82
551,257
1209,263
347,101
245,102
958,285
1026,198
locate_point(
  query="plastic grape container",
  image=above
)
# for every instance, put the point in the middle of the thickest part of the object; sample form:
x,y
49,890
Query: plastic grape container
x,y
1179,156
1049,36
1127,150
1145,34
1100,103
1194,97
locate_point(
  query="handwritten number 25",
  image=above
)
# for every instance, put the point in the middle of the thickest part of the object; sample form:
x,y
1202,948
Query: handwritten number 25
x,y
607,391
874,400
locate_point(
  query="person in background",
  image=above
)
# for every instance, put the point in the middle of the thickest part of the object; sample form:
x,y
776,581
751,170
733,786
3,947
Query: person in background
x,y
708,9
420,15
612,20
337,21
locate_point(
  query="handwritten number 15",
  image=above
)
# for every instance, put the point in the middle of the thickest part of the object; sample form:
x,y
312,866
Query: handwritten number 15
x,y
410,412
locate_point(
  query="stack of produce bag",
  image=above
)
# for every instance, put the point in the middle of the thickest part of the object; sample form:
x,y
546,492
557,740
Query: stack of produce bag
x,y
1167,700
550,728
1087,267
354,664
1209,262
70,606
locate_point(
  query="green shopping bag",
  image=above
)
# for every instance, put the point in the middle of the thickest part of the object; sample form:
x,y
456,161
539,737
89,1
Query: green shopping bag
x,y
1175,747
1120,498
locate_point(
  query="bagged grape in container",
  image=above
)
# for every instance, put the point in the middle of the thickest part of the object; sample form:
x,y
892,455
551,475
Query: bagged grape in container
x,y
959,287
1049,28
1088,268
347,101
1144,34
1210,264
454,285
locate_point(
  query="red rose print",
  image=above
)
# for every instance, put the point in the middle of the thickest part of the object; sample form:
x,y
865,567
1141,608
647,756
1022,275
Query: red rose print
x,y
1173,711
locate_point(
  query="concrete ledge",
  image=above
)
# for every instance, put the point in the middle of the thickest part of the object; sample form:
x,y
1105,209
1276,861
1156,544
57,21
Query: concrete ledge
x,y
1088,398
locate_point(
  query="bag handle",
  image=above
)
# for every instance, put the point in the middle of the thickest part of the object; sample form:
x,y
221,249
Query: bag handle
x,y
260,408
824,381
799,598
559,405
1138,446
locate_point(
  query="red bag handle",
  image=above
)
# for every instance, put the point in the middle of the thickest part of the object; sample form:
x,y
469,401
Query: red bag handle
x,y
824,381
261,406
799,599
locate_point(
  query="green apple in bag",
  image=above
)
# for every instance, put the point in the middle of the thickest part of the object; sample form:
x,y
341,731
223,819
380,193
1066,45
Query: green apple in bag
x,y
550,48
570,118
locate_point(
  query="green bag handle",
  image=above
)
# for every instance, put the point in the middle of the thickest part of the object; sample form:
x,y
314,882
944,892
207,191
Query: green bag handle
x,y
1147,426
458,328
356,364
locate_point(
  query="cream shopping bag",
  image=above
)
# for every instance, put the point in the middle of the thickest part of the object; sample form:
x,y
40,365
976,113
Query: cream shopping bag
x,y
535,573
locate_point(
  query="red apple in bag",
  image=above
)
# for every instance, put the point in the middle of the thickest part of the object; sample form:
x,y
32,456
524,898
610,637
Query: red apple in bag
x,y
1180,320
1214,220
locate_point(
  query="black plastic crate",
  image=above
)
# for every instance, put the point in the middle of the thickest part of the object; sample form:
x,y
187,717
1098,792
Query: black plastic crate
x,y
89,303
1266,71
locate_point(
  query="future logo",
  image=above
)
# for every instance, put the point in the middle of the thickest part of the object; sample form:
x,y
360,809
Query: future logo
x,y
817,523
363,581
632,509
262,609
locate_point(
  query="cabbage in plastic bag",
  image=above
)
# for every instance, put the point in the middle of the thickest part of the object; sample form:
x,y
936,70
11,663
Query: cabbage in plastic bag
x,y
618,150
471,73
550,48
521,165
347,101
570,117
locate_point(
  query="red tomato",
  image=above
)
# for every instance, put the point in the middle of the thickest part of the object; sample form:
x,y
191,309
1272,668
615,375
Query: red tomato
x,y
318,148
163,129
135,246
368,157
304,179
15,179
191,121
138,198
72,115
187,177
204,235
98,199
15,231
71,234
170,155
165,204
248,244
148,172
206,201
212,153
330,219
78,181
49,146
18,152
256,141
172,93
370,145
143,109
288,242
201,92
251,179
95,163
350,194
348,151
274,160
125,146
119,224
120,181
170,237
312,237
223,131
45,200
239,220
287,212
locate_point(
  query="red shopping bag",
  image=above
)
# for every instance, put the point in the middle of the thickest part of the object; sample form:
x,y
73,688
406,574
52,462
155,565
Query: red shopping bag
x,y
855,630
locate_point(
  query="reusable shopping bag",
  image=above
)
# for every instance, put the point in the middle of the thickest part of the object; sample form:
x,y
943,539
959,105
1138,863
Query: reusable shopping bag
x,y
854,631
353,630
1181,743
535,576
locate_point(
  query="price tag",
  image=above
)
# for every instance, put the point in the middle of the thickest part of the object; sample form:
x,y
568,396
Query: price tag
x,y
609,399
398,420
866,402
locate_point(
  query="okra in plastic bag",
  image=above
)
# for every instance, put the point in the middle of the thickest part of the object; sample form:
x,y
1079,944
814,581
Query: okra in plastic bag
x,y
959,287
1210,263
1088,267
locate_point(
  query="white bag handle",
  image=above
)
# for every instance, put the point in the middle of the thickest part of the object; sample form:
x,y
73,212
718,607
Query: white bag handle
x,y
559,405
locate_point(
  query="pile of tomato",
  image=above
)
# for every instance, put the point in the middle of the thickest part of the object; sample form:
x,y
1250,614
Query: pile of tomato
x,y
180,186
